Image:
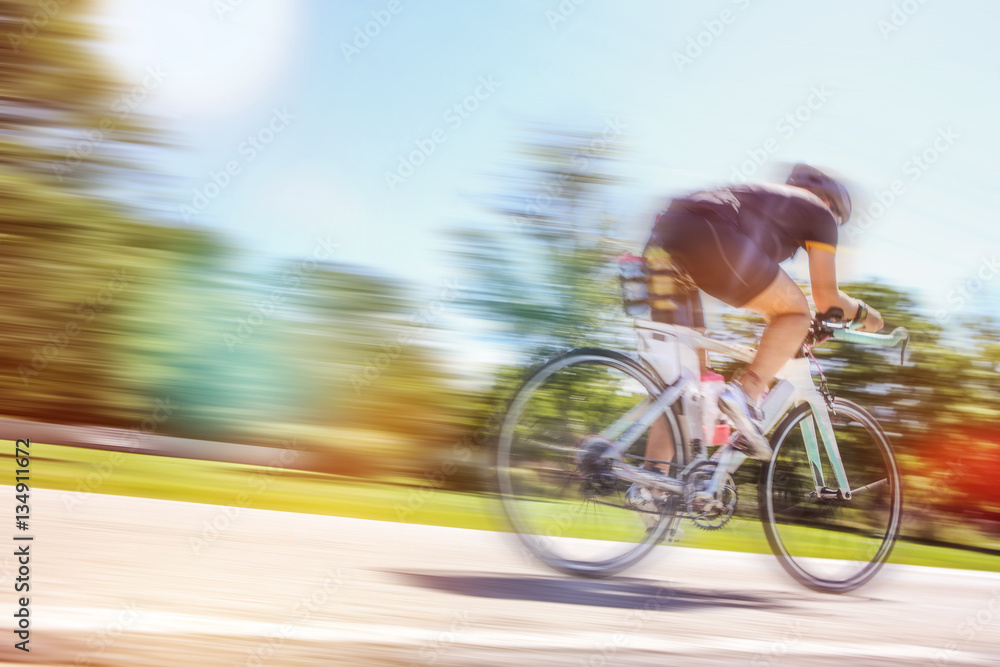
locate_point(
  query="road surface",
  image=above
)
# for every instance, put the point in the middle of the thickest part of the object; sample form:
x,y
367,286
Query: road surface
x,y
138,582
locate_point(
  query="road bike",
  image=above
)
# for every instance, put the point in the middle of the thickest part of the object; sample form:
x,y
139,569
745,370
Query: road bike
x,y
573,442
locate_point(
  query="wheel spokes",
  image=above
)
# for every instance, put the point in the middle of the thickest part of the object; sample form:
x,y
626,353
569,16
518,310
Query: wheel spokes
x,y
870,487
572,517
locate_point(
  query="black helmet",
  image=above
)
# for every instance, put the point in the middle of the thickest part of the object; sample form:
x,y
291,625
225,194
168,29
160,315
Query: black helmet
x,y
828,189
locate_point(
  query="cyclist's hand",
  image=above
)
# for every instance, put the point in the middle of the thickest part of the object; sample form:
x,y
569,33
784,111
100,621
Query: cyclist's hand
x,y
873,322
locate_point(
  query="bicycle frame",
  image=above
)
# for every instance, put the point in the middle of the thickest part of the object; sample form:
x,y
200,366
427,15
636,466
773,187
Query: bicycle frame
x,y
669,351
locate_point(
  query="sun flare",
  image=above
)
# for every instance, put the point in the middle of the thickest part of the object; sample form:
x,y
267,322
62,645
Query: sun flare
x,y
216,56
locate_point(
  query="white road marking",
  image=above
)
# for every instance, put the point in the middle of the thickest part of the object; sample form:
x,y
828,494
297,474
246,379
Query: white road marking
x,y
76,619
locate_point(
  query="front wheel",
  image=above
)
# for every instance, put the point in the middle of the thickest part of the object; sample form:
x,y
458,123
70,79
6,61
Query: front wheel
x,y
574,517
830,544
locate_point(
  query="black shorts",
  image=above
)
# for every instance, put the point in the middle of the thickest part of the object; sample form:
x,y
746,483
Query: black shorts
x,y
718,256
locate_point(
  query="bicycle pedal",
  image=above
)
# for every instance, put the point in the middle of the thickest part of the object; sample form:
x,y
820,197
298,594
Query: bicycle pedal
x,y
674,536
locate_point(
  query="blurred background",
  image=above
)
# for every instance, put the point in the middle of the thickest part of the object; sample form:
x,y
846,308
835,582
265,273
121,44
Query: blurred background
x,y
236,229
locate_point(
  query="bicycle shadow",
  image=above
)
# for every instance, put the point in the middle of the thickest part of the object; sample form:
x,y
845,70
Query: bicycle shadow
x,y
613,593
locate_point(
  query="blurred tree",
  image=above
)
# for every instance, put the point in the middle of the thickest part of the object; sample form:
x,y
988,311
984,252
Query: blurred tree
x,y
170,342
65,118
64,270
104,315
363,351
543,274
65,258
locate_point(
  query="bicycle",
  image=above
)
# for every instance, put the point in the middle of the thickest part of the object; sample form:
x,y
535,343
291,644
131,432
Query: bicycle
x,y
573,441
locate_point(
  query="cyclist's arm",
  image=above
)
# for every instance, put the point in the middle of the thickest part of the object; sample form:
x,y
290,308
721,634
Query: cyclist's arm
x,y
826,294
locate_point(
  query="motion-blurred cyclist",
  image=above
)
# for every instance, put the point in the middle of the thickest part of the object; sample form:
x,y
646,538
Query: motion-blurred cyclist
x,y
728,242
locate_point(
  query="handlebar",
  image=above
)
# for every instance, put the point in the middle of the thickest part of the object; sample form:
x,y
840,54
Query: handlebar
x,y
891,339
824,328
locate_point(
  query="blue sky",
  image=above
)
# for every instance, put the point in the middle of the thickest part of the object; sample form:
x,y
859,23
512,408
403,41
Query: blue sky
x,y
885,80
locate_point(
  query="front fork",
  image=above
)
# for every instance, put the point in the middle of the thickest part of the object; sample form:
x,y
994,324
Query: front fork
x,y
820,413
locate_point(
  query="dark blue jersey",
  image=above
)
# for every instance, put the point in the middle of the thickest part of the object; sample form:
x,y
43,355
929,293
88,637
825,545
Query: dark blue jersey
x,y
779,219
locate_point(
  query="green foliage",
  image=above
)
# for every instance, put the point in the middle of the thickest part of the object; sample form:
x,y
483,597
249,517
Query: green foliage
x,y
63,118
543,272
105,315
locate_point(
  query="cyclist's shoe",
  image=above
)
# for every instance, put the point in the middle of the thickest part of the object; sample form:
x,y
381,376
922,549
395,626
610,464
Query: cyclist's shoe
x,y
747,418
645,500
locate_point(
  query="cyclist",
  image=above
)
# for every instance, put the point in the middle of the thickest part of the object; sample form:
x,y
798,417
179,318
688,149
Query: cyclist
x,y
728,242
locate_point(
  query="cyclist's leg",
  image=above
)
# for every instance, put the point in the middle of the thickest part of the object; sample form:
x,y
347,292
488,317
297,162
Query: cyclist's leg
x,y
675,300
660,445
728,265
784,307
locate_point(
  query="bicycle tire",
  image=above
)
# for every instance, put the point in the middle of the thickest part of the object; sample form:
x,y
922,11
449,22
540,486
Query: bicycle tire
x,y
532,462
832,545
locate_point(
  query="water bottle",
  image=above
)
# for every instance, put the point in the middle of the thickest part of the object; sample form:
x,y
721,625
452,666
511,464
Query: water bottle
x,y
716,432
633,275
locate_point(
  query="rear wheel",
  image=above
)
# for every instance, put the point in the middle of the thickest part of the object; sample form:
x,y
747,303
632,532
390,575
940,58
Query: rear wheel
x,y
565,504
831,544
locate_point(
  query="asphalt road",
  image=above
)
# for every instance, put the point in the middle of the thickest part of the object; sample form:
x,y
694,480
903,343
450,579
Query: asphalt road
x,y
136,582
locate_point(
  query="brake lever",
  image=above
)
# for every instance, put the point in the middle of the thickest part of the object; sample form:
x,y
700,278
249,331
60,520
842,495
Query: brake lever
x,y
906,341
